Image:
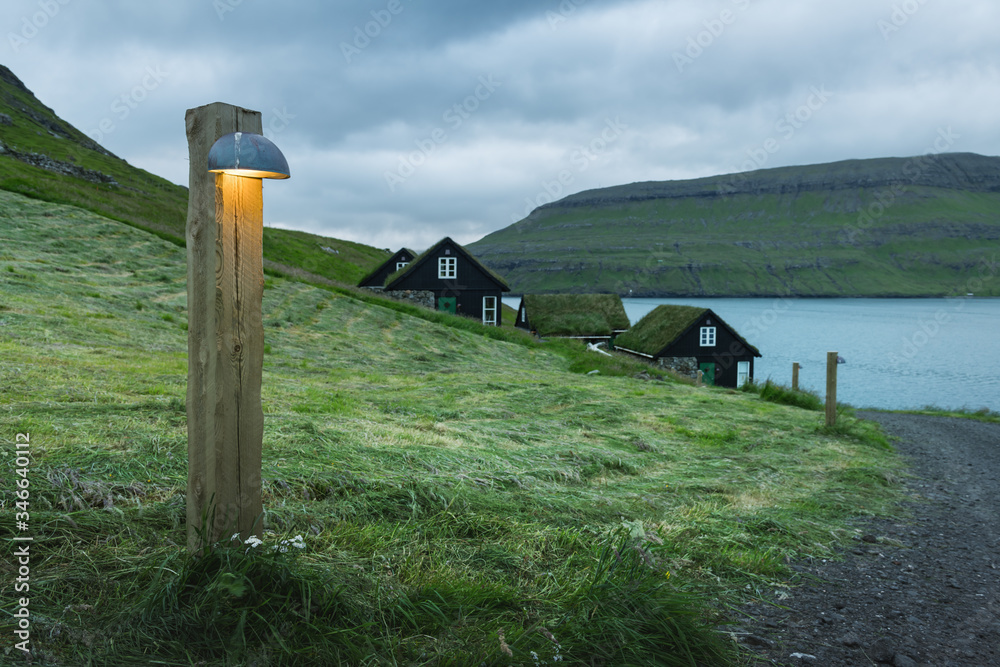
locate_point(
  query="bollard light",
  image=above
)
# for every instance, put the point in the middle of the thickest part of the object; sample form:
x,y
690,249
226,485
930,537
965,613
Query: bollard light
x,y
225,325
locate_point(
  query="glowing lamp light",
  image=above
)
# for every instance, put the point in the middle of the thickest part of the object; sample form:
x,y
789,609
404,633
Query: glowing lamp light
x,y
247,154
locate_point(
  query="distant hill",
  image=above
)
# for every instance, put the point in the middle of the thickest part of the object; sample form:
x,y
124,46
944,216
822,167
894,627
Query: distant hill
x,y
923,226
44,157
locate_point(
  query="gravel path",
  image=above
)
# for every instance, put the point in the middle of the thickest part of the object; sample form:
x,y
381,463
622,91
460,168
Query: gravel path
x,y
920,591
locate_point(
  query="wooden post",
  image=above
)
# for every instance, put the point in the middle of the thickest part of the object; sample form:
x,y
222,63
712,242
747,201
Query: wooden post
x,y
795,375
698,380
831,388
225,284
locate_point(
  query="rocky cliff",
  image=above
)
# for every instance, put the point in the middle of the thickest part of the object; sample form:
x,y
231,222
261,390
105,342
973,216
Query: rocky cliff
x,y
921,226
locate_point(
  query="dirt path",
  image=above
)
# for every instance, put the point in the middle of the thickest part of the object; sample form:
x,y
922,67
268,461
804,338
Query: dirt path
x,y
919,591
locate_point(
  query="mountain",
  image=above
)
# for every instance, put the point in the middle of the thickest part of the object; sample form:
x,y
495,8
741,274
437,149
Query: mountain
x,y
44,157
922,226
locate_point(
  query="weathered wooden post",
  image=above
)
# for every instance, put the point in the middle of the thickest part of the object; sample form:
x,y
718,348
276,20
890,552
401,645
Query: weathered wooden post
x,y
225,285
831,388
699,379
795,375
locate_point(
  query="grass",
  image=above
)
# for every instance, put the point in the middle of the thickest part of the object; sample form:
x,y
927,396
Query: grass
x,y
575,315
777,393
341,261
465,495
508,315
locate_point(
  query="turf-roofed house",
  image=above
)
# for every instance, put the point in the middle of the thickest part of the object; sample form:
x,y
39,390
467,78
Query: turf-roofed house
x,y
455,281
687,339
591,317
399,260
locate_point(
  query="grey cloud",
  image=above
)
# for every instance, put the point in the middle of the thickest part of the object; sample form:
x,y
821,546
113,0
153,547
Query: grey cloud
x,y
566,67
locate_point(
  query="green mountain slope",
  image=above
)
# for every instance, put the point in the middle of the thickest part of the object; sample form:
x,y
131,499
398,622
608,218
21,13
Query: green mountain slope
x,y
44,157
925,226
461,491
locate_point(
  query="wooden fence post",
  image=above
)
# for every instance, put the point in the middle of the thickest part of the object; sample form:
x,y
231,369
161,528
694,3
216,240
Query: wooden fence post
x,y
225,284
831,388
698,381
795,375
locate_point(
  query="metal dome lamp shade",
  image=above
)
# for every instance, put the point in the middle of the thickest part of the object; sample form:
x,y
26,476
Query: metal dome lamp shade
x,y
247,154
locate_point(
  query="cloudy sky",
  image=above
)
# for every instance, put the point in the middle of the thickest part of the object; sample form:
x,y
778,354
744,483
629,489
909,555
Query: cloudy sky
x,y
407,120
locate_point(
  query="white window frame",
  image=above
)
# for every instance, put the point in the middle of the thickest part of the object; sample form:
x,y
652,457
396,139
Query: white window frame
x,y
400,265
447,268
490,311
742,373
706,337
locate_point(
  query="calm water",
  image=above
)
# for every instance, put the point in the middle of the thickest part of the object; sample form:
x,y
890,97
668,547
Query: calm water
x,y
900,353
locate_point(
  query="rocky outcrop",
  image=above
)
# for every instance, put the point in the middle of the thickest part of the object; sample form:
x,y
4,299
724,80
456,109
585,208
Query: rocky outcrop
x,y
9,77
60,167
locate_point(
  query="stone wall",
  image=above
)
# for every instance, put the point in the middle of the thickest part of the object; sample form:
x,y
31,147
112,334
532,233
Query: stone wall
x,y
417,297
686,366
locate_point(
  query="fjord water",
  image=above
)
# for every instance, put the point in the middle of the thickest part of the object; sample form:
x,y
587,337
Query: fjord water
x,y
899,353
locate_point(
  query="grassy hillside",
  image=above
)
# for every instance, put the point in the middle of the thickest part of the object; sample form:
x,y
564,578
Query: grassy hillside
x,y
858,228
461,499
80,172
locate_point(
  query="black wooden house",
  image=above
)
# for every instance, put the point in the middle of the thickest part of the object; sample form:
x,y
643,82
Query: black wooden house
x,y
460,283
399,260
687,340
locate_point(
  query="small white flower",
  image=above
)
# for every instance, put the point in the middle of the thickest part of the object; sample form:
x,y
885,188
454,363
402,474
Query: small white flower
x,y
236,536
253,541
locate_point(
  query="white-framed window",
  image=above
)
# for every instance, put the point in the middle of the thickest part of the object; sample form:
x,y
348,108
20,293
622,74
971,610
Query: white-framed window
x,y
447,268
707,337
490,310
400,265
742,373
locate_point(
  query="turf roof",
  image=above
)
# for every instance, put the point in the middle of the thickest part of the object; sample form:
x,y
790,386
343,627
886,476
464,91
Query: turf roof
x,y
575,314
659,328
663,325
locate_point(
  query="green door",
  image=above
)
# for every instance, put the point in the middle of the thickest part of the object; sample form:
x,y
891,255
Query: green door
x,y
447,304
708,373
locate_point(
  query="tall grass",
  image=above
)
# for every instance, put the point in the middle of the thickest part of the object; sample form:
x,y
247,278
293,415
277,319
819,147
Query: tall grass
x,y
463,498
777,393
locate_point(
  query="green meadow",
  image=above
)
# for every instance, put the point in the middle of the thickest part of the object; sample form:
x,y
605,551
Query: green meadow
x,y
465,496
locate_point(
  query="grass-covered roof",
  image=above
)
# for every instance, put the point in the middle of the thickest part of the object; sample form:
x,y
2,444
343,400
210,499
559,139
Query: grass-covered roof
x,y
660,327
575,314
663,325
